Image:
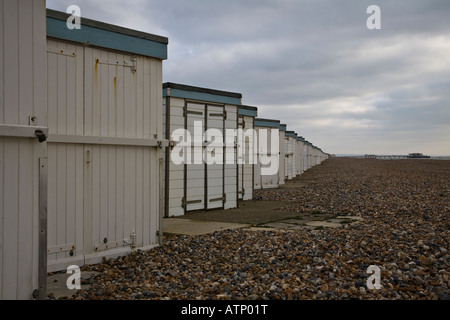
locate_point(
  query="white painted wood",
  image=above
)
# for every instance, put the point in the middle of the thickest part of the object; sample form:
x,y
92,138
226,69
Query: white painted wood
x,y
3,288
299,155
281,169
10,212
245,179
230,170
2,72
215,172
294,157
11,87
290,156
266,181
241,156
65,202
205,184
8,130
22,88
106,136
77,139
195,169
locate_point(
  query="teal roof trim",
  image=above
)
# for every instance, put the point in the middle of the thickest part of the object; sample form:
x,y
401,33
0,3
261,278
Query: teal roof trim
x,y
248,111
107,36
201,94
267,123
291,134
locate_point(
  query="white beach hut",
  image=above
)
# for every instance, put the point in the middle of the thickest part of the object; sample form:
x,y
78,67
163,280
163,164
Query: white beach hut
x,y
201,167
268,156
105,142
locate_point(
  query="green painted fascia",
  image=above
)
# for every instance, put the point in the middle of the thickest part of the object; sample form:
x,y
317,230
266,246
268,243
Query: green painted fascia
x,y
201,94
248,111
269,123
291,134
107,36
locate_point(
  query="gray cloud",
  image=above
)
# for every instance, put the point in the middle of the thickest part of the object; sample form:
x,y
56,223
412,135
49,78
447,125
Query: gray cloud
x,y
312,64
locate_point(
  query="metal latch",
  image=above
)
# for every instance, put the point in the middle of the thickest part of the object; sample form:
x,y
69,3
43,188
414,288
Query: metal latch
x,y
40,135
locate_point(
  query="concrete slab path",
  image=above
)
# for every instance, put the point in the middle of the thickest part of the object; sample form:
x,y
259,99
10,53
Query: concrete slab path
x,y
195,227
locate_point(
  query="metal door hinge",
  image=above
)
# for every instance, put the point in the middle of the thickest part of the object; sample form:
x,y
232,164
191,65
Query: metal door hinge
x,y
223,198
222,114
186,112
132,63
184,203
62,52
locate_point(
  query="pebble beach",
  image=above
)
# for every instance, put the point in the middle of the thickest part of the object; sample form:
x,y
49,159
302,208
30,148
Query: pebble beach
x,y
404,231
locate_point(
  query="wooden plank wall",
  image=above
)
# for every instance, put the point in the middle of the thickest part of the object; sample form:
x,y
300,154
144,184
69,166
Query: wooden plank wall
x,y
176,172
231,178
281,169
245,179
101,195
22,92
265,181
298,159
196,173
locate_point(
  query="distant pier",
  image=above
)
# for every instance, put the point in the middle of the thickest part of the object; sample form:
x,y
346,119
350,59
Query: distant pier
x,y
391,156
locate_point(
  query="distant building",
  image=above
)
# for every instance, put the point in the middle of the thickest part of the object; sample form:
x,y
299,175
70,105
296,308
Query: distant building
x,y
417,156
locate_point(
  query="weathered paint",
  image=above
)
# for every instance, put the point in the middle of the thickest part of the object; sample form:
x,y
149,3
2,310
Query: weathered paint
x,y
22,88
105,124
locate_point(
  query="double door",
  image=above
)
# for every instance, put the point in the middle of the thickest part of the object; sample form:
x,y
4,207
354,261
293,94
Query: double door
x,y
104,163
204,167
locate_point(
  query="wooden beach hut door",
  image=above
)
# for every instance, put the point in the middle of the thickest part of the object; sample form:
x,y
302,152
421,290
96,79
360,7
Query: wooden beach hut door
x,y
194,169
204,170
101,166
215,164
245,159
66,168
241,168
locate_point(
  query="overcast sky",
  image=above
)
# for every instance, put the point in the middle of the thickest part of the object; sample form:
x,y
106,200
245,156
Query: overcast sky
x,y
312,64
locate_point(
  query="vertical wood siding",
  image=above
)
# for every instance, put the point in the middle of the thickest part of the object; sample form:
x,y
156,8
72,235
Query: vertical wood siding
x,y
265,181
298,158
22,94
245,179
201,186
281,169
101,196
176,172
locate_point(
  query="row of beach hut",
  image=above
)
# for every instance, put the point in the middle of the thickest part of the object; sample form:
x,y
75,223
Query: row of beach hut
x,y
95,150
265,155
